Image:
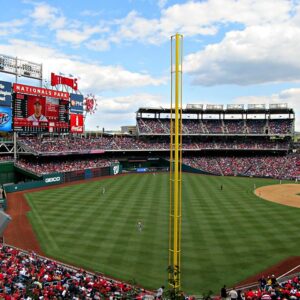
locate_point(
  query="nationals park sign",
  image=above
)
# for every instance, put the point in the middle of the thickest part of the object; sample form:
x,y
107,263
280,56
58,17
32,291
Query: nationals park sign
x,y
37,91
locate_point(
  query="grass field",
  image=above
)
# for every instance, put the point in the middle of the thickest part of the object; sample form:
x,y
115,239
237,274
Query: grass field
x,y
227,235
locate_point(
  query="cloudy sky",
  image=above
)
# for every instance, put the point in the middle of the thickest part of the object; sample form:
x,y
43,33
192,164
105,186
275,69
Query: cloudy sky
x,y
235,51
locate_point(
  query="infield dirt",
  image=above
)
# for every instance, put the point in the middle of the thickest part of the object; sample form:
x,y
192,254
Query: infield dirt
x,y
285,194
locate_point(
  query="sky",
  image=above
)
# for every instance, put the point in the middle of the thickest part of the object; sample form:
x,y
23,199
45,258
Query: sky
x,y
235,51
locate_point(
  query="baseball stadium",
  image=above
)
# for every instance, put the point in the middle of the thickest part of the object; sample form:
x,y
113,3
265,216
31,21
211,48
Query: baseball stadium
x,y
87,214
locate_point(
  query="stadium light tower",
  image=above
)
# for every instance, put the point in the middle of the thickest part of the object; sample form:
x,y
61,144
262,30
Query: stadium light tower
x,y
175,163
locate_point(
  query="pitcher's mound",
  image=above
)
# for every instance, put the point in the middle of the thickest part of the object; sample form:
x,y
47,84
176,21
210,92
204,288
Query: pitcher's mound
x,y
286,194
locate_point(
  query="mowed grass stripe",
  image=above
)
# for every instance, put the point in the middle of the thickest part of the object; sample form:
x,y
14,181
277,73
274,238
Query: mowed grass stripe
x,y
227,235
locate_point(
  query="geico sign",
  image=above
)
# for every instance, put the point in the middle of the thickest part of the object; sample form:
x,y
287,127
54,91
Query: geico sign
x,y
52,179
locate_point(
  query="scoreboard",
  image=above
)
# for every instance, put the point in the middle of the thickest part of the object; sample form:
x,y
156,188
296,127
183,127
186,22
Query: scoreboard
x,y
27,108
40,110
40,114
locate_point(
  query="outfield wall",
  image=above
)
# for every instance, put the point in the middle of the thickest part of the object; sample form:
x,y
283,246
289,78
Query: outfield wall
x,y
59,178
7,173
189,169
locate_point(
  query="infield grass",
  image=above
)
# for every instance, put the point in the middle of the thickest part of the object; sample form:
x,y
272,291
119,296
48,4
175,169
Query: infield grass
x,y
227,235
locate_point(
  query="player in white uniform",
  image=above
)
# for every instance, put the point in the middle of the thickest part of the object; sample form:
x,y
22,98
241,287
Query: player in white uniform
x,y
37,115
103,190
139,226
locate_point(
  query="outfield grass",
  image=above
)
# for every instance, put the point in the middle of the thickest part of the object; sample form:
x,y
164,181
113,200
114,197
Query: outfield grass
x,y
227,235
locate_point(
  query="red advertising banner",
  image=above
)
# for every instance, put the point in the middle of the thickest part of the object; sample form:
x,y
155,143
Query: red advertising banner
x,y
57,79
37,91
76,123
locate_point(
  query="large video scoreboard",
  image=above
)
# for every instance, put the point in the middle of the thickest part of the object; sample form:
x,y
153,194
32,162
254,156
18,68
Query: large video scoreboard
x,y
43,114
27,108
40,110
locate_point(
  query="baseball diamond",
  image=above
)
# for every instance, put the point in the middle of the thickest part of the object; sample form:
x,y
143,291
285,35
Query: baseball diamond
x,y
227,234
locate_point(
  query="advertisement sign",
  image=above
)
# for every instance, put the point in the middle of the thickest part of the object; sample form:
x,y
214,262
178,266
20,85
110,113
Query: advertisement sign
x,y
115,169
76,123
142,170
5,93
38,91
76,104
53,178
57,79
5,118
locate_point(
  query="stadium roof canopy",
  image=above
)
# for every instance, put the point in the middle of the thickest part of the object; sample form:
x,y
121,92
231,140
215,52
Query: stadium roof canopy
x,y
220,109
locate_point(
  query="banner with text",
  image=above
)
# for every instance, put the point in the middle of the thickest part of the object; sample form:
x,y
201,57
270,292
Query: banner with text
x,y
76,123
76,104
38,91
5,93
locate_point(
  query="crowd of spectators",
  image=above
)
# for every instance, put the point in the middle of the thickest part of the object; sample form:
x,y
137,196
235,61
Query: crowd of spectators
x,y
218,126
28,276
256,126
280,126
90,145
207,164
269,288
281,167
213,126
192,127
235,126
46,167
6,158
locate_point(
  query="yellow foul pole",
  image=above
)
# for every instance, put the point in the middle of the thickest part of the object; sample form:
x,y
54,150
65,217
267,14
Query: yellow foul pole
x,y
175,163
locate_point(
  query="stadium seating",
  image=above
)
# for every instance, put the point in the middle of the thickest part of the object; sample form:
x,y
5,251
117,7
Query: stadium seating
x,y
67,165
216,126
282,167
6,158
77,145
280,126
26,275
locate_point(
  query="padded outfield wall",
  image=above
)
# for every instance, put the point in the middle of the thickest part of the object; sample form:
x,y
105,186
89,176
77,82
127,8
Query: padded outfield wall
x,y
59,178
7,173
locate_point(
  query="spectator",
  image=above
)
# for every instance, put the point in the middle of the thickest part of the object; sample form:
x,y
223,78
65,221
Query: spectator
x,y
223,292
159,292
233,294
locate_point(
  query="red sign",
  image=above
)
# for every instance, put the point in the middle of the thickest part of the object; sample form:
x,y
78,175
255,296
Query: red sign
x,y
57,79
32,90
76,123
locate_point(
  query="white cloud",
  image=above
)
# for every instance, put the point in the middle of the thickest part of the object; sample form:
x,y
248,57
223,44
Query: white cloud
x,y
66,30
77,36
98,45
289,96
201,18
258,54
162,3
134,27
118,111
11,27
192,18
91,13
93,77
45,14
127,104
